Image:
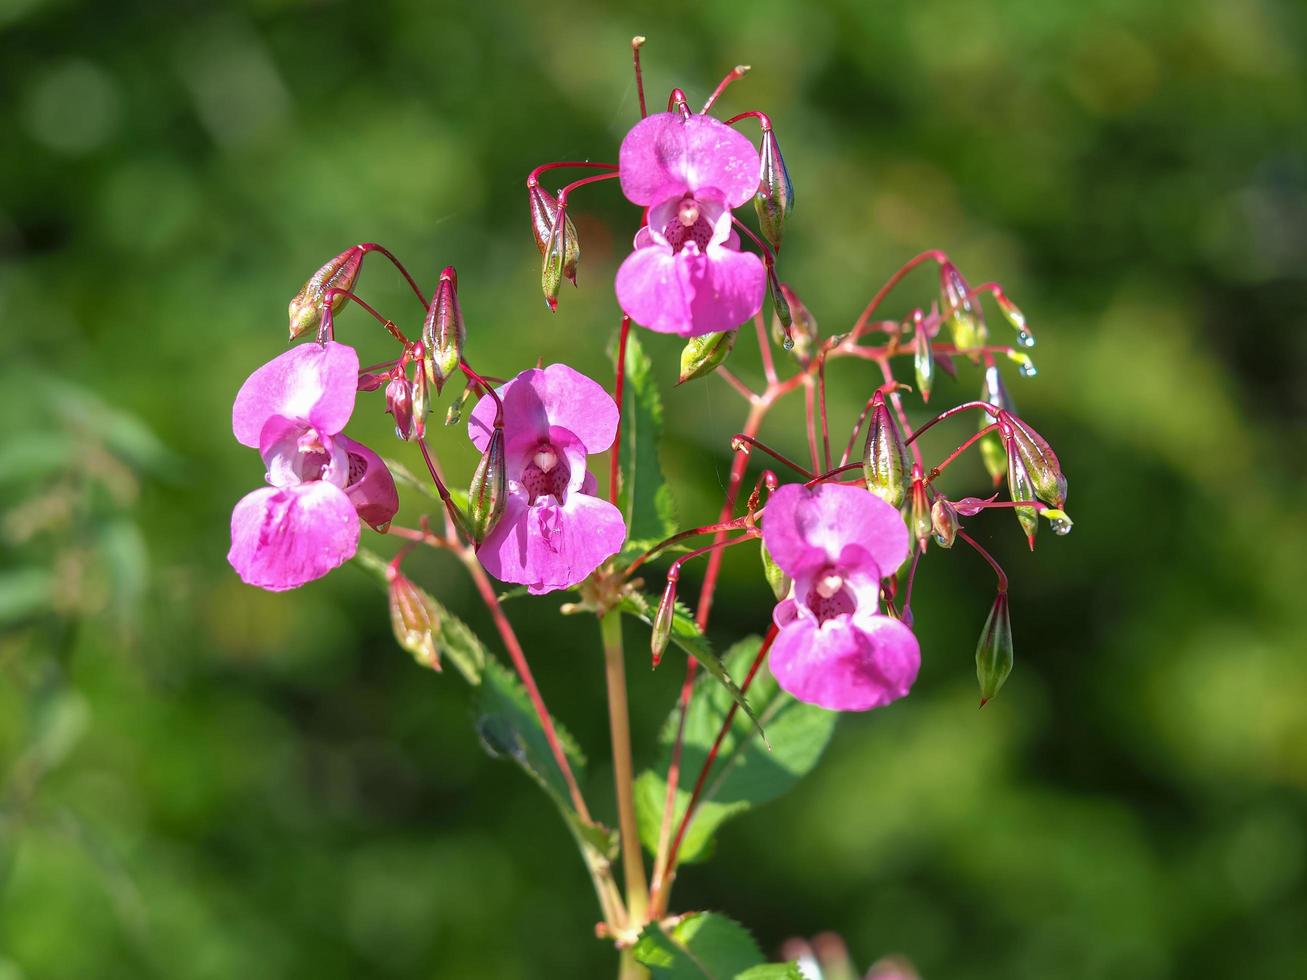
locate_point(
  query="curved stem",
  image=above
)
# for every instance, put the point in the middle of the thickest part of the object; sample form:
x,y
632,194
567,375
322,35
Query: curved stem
x,y
933,254
382,250
619,381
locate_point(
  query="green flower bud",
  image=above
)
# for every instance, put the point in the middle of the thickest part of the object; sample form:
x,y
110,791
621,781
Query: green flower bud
x,y
965,322
415,619
802,331
994,650
920,521
306,306
1039,459
704,354
780,308
443,332
662,624
780,582
1021,487
488,494
884,456
923,358
992,452
544,212
944,522
1016,319
775,198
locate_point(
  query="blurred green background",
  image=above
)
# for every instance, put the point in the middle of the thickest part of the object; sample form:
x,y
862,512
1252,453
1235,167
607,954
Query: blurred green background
x,y
204,781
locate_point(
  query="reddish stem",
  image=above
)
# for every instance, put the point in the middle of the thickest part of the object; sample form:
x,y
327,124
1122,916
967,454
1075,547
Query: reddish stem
x,y
811,419
619,382
533,178
328,329
821,398
993,410
730,525
528,681
937,470
764,348
739,71
933,254
637,43
764,121
485,386
998,569
843,468
740,387
783,460
669,866
381,249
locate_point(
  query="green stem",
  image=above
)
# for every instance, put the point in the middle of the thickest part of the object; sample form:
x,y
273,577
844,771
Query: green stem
x,y
637,888
629,967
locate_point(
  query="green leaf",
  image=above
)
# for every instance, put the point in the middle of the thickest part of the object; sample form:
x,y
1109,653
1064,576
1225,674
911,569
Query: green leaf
x,y
700,945
457,643
687,635
645,499
508,727
772,971
744,774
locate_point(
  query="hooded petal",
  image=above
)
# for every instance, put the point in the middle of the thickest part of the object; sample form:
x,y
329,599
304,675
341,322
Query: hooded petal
x,y
282,538
547,547
552,396
829,523
843,667
371,488
311,383
690,293
665,155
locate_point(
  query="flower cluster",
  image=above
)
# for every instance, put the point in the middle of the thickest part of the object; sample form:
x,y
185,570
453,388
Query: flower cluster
x,y
840,542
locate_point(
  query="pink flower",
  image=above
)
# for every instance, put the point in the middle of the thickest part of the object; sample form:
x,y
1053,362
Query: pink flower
x,y
834,648
307,522
687,275
554,531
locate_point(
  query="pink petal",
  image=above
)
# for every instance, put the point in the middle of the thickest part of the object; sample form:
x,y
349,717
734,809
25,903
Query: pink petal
x,y
546,547
371,488
842,667
804,527
311,383
664,156
553,396
282,538
690,293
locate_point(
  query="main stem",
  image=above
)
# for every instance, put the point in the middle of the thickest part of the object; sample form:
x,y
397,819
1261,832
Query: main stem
x,y
637,888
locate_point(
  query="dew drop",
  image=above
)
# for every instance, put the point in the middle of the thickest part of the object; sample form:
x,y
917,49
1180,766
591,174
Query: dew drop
x,y
1025,338
1027,369
1061,526
788,343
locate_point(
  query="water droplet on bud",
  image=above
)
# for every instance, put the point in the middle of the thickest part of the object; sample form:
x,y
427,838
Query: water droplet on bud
x,y
1028,370
1061,526
1026,339
788,343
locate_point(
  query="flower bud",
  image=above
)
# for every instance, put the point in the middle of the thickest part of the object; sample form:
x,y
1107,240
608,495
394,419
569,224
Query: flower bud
x,y
399,405
962,316
454,414
780,582
775,198
662,624
544,212
944,522
371,382
415,619
803,325
923,358
488,493
1021,487
421,402
991,446
920,515
443,332
306,305
994,650
971,506
1016,319
884,457
704,354
1039,459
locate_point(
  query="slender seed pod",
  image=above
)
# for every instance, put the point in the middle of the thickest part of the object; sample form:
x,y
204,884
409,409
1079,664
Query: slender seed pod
x,y
994,650
306,306
884,456
488,494
775,198
443,332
